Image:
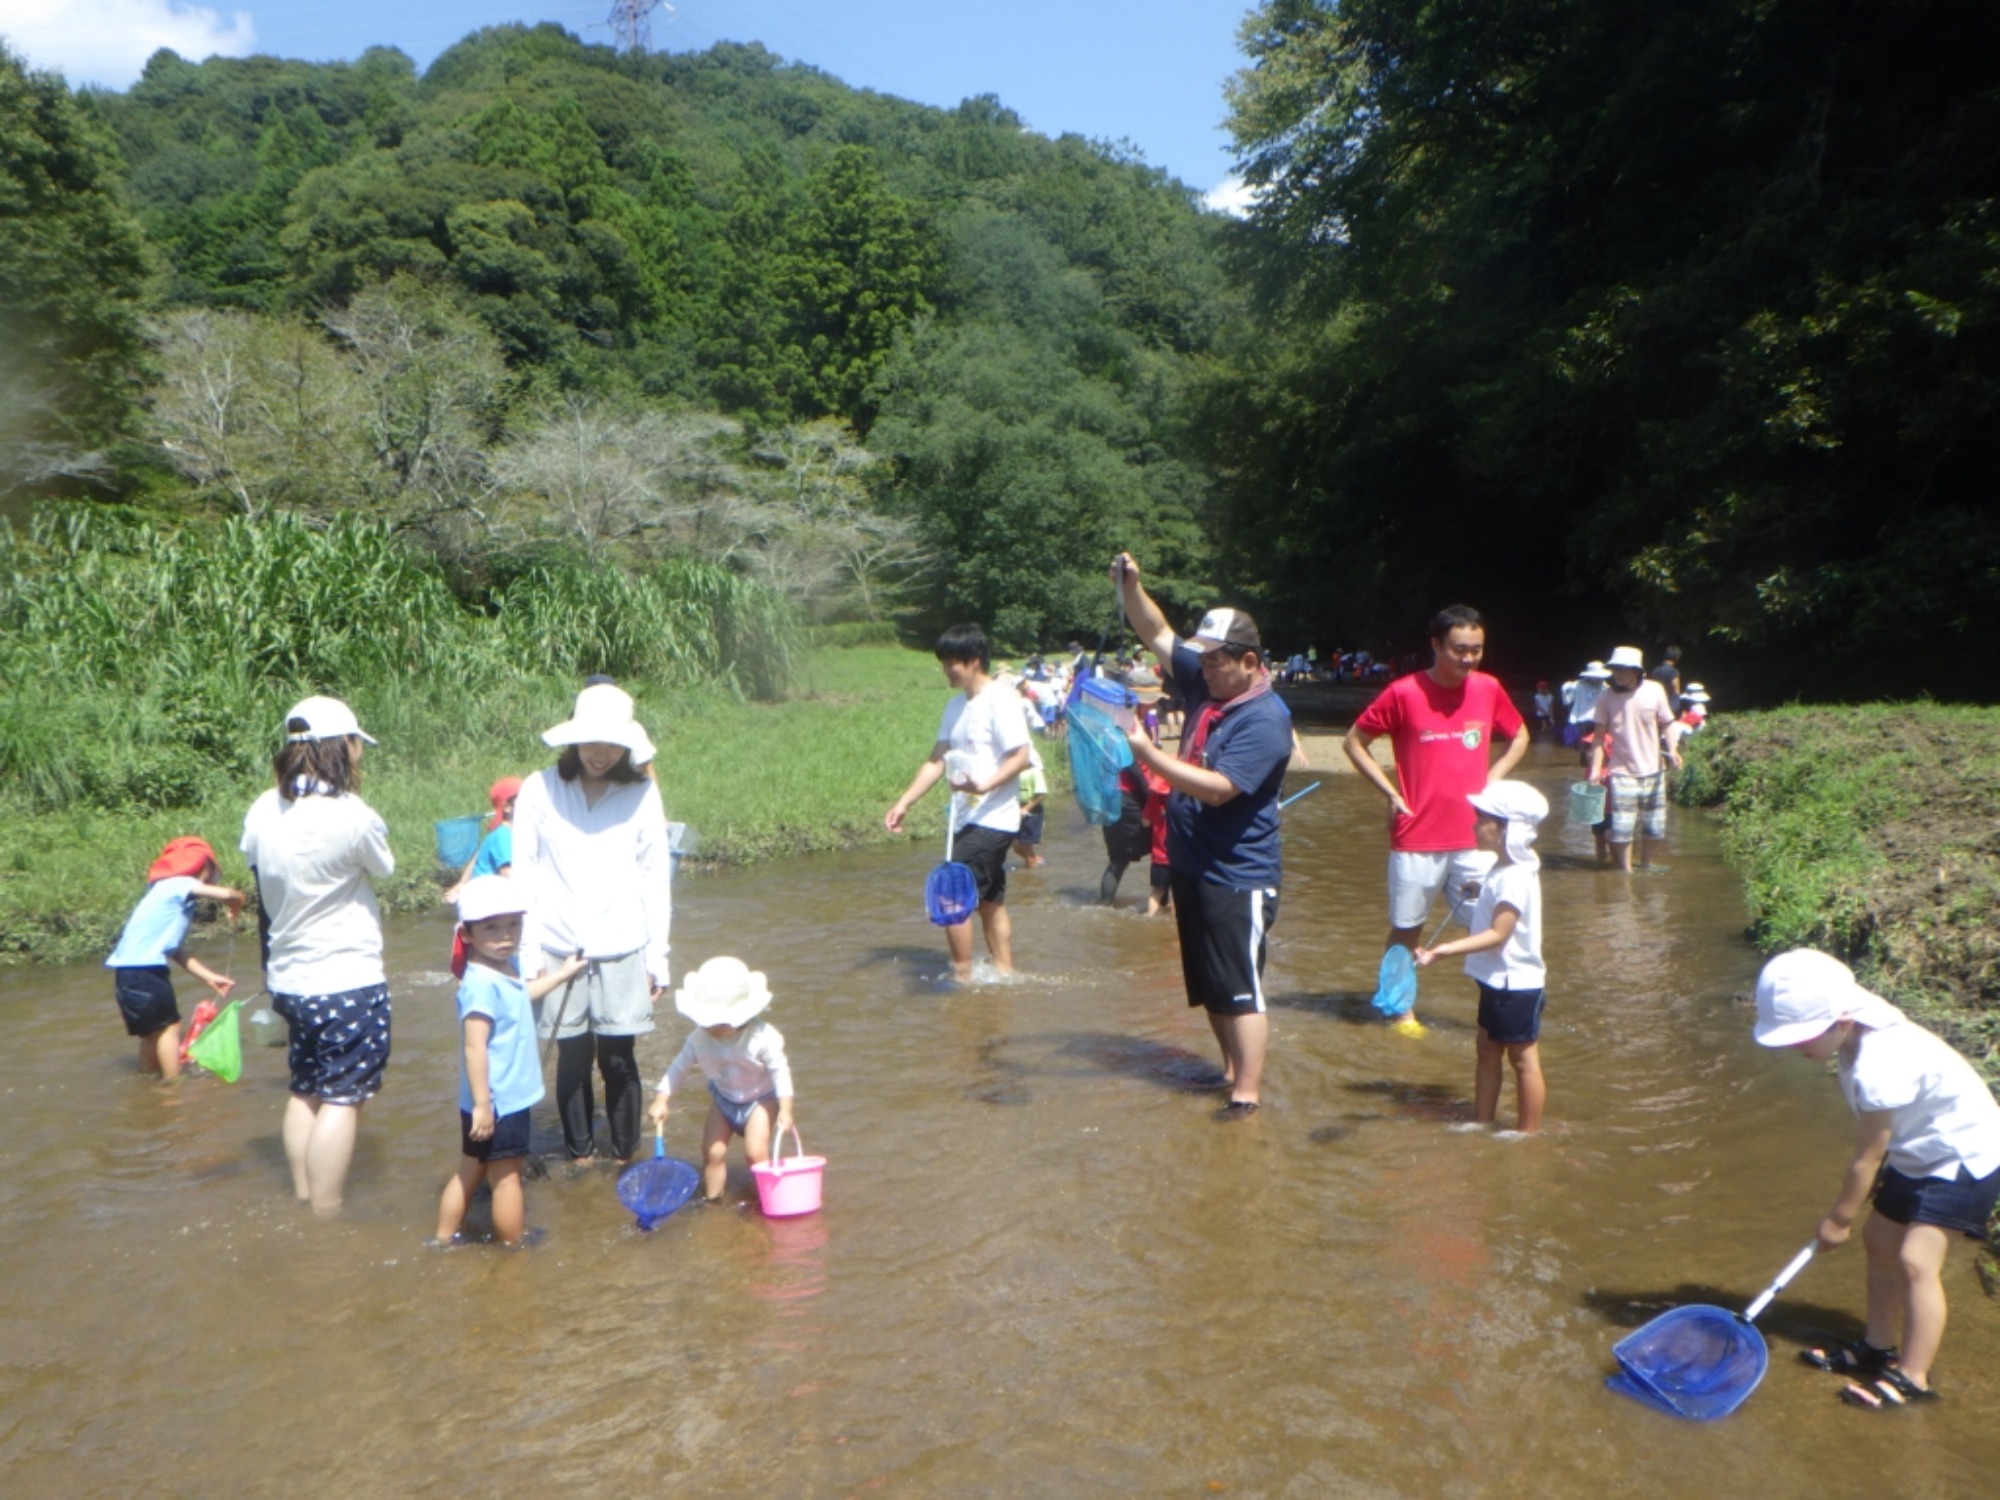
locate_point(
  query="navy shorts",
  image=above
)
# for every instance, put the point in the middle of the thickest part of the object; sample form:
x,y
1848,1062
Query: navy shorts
x,y
1130,839
508,1141
146,999
983,851
1510,1017
1162,878
1031,828
340,1043
1224,934
1963,1202
738,1112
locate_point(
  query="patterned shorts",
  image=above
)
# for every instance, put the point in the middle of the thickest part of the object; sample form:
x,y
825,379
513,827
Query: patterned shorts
x,y
1638,802
340,1043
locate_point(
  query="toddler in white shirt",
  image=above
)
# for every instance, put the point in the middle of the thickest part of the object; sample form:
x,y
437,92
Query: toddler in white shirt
x,y
741,1057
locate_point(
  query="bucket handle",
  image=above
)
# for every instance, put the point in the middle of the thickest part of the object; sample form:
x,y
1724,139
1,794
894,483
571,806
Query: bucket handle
x,y
777,1145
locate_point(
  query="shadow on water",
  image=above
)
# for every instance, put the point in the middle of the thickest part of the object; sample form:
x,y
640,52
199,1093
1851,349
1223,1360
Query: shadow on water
x,y
1082,1054
1421,1101
1356,1008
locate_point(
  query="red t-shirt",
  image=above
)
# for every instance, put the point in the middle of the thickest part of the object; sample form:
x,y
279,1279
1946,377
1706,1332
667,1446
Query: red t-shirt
x,y
1443,739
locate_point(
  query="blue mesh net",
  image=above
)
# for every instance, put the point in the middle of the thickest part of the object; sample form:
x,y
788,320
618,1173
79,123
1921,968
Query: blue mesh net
x,y
951,894
1098,751
653,1189
1694,1362
1396,982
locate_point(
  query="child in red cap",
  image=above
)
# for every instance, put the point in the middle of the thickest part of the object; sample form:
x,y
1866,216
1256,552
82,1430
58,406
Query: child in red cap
x,y
185,872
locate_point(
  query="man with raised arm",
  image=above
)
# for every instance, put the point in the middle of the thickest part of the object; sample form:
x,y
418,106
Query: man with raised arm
x,y
1443,725
1222,820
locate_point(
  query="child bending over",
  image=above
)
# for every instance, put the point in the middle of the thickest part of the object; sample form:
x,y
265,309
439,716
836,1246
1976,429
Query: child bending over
x,y
184,873
501,1079
1927,1126
741,1057
1504,951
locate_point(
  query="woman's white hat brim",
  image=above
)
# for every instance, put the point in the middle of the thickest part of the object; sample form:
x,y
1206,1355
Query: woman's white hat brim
x,y
1596,672
722,992
603,716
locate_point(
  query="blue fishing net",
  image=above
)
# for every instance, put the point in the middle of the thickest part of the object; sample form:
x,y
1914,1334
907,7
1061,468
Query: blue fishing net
x,y
951,895
1098,751
1694,1362
1396,982
653,1189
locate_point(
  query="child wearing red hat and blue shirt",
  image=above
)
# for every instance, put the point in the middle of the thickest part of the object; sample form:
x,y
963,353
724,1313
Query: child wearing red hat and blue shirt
x,y
155,933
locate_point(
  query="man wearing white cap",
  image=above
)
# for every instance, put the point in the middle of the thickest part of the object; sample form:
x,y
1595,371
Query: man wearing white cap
x,y
1222,820
1926,1148
1443,724
1630,721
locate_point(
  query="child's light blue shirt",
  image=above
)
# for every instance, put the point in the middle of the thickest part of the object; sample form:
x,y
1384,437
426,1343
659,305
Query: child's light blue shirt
x,y
513,1070
158,924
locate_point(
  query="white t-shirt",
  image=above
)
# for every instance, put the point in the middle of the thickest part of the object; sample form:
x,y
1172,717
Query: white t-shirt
x,y
978,733
748,1066
1945,1117
313,856
1517,963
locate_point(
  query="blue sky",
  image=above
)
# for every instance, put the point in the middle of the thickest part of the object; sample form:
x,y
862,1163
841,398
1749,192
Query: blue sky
x,y
1149,71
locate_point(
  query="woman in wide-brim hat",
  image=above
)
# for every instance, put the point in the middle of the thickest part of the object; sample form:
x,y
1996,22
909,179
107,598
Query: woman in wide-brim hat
x,y
590,840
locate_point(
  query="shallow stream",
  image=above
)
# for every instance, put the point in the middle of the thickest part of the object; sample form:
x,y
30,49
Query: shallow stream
x,y
1043,1267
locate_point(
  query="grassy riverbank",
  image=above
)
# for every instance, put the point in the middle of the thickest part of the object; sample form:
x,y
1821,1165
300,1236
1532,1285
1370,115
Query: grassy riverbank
x,y
1870,832
813,771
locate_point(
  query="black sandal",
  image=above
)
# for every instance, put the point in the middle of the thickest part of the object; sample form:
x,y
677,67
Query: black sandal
x,y
1855,1358
1889,1391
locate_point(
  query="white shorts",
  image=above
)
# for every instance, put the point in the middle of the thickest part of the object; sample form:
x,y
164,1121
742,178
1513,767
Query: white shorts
x,y
1416,877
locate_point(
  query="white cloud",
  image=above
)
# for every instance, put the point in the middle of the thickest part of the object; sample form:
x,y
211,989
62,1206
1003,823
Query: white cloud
x,y
1232,196
107,42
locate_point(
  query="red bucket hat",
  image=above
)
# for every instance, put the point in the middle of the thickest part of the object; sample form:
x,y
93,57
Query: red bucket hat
x,y
182,856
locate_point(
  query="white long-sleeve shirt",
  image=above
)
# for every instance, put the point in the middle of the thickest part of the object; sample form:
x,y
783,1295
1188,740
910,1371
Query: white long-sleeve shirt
x,y
313,855
748,1066
599,879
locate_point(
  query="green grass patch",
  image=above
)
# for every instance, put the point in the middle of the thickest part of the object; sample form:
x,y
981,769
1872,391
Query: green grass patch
x,y
815,771
1869,832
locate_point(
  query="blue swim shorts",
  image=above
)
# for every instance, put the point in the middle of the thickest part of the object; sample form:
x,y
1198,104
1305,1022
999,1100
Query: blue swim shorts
x,y
738,1115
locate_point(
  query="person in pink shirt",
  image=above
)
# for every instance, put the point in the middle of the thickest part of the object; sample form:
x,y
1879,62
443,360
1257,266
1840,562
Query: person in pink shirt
x,y
1443,724
1630,719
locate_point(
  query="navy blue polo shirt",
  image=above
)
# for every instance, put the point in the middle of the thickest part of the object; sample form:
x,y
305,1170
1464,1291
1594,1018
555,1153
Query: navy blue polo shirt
x,y
1235,844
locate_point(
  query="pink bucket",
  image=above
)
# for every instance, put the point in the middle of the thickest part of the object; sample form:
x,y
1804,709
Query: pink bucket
x,y
787,1189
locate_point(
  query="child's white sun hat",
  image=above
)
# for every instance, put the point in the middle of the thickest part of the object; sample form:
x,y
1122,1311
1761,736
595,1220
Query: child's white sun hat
x,y
722,992
1802,993
487,896
1510,801
603,716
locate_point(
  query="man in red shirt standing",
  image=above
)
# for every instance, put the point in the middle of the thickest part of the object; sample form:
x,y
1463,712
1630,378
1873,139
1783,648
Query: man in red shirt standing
x,y
1443,725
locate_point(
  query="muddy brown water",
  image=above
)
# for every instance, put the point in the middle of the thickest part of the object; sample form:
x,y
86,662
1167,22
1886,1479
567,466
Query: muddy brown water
x,y
1042,1267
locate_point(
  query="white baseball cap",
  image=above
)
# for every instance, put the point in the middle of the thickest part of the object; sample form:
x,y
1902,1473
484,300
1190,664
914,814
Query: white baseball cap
x,y
1802,993
325,719
486,896
1229,629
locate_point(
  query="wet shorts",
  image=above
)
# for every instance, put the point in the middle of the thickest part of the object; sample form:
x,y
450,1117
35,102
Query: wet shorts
x,y
340,1043
1510,1017
738,1115
509,1138
1031,828
1638,802
983,851
1130,839
1163,881
1224,934
1417,875
1963,1202
146,999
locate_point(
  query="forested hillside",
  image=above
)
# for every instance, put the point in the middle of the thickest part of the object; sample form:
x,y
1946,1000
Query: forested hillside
x,y
878,355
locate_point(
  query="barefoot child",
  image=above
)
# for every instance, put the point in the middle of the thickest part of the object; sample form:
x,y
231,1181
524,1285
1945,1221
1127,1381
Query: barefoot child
x,y
184,873
1928,1125
1504,952
501,1080
741,1057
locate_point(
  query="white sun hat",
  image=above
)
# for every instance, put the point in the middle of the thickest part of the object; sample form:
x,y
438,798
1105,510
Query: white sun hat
x,y
1695,693
1802,993
1521,808
325,719
603,716
1629,656
1596,672
722,992
487,896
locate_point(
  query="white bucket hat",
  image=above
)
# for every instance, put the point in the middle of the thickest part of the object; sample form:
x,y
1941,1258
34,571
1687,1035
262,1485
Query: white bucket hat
x,y
325,719
1695,693
1802,993
722,992
1596,672
1629,656
603,716
486,896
